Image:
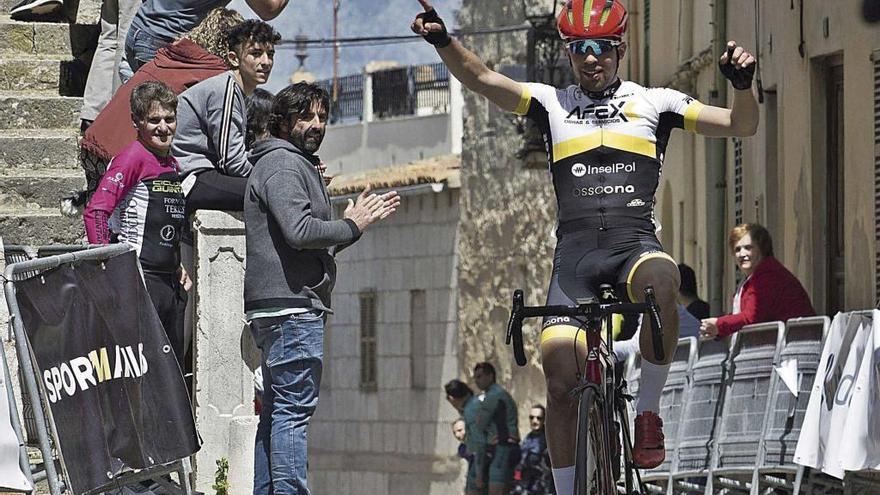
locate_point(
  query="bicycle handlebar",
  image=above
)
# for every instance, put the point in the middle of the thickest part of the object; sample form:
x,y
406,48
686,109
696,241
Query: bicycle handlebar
x,y
591,308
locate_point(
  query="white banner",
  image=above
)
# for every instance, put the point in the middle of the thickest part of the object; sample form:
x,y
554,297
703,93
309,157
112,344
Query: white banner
x,y
10,472
841,428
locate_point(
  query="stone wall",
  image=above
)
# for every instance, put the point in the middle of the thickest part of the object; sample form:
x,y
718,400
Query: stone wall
x,y
393,438
507,217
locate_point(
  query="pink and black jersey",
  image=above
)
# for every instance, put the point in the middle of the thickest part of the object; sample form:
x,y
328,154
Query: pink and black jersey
x,y
139,201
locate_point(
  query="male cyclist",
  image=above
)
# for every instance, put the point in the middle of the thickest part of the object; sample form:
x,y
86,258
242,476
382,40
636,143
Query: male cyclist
x,y
605,140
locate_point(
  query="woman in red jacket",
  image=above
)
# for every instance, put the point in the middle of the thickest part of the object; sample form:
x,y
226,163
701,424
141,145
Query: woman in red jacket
x,y
769,291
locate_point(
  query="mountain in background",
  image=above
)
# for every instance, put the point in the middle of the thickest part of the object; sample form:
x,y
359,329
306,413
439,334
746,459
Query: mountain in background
x,y
357,18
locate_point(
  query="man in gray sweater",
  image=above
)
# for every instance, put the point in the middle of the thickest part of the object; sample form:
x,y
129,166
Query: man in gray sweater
x,y
291,243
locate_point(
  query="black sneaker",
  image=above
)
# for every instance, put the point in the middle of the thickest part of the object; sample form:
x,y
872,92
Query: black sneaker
x,y
30,9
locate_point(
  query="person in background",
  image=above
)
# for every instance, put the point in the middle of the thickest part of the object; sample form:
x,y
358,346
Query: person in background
x,y
139,201
462,398
498,415
258,107
158,23
533,475
769,292
687,293
459,431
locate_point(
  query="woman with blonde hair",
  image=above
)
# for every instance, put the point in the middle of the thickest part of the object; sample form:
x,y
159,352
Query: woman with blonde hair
x,y
769,292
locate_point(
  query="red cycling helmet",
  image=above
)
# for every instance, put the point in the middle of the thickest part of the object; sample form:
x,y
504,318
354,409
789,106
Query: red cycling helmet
x,y
581,19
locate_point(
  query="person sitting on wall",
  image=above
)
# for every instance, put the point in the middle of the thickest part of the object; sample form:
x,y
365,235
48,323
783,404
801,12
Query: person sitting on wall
x,y
210,143
769,292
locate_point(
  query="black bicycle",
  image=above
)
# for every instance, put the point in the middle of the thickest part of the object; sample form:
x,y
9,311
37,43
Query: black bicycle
x,y
601,392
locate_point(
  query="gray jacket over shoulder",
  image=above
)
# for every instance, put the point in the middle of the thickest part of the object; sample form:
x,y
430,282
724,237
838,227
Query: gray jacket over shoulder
x,y
211,123
291,239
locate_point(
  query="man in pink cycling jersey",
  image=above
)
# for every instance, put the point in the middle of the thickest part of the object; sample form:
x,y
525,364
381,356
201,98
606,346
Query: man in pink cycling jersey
x,y
605,138
139,201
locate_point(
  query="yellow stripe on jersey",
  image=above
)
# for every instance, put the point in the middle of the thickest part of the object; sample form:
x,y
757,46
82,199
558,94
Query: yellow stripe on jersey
x,y
633,144
623,142
632,272
691,114
524,100
566,332
577,145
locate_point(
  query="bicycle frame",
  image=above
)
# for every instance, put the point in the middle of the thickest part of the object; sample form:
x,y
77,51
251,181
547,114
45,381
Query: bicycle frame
x,y
599,372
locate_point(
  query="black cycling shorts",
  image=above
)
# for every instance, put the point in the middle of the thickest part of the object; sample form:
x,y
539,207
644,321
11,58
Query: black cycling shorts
x,y
585,259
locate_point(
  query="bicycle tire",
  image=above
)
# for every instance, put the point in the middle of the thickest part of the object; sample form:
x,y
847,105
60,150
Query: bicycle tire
x,y
591,461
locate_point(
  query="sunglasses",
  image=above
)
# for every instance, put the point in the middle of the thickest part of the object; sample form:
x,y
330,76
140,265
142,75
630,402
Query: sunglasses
x,y
597,46
537,417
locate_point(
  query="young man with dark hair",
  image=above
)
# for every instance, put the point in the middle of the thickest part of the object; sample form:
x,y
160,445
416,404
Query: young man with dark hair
x,y
291,243
139,201
210,143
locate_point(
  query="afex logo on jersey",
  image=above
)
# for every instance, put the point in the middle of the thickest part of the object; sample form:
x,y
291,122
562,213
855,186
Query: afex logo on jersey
x,y
605,111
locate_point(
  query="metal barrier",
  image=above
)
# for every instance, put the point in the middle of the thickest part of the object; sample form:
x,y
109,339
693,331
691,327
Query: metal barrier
x,y
746,400
701,417
31,388
801,345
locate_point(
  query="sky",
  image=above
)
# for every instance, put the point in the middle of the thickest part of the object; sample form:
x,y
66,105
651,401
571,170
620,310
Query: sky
x,y
357,18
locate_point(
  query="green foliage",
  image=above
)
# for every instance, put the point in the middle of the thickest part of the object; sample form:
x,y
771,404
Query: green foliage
x,y
221,479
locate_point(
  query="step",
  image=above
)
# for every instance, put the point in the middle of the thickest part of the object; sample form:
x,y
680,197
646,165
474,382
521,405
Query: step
x,y
40,227
20,110
39,148
30,73
32,38
39,188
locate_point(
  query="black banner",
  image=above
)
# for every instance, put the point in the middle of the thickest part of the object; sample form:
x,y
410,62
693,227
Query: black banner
x,y
110,375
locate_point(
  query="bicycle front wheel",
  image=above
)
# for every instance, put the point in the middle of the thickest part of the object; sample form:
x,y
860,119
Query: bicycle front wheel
x,y
592,464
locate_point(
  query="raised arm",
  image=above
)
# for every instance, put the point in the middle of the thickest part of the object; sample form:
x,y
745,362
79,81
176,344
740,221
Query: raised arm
x,y
464,64
741,119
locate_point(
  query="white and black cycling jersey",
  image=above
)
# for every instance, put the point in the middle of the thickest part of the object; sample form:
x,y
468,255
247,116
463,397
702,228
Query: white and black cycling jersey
x,y
606,154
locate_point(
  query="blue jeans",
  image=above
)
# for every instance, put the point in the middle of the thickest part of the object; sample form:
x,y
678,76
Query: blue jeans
x,y
292,359
140,48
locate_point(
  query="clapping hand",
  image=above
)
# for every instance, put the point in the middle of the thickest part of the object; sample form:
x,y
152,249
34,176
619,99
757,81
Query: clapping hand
x,y
369,207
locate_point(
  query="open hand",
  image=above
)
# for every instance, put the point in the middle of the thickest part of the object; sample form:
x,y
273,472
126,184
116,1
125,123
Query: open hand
x,y
369,208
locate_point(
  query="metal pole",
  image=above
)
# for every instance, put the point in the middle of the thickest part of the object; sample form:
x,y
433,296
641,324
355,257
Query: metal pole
x,y
24,356
336,4
23,461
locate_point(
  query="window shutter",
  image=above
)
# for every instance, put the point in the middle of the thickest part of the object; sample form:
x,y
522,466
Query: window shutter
x,y
368,341
875,57
737,181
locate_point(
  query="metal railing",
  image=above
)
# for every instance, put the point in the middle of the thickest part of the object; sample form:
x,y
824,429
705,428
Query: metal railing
x,y
394,92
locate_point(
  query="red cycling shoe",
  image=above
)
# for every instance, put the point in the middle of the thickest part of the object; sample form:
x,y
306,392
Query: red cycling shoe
x,y
649,450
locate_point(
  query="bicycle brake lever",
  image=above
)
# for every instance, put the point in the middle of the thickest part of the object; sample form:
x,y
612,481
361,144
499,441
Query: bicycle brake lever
x,y
656,324
514,328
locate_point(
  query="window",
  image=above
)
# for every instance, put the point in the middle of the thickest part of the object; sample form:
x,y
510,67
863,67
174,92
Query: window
x,y
418,338
834,192
368,341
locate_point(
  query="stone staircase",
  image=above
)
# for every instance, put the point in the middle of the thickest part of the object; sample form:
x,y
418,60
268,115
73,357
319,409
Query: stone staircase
x,y
38,133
